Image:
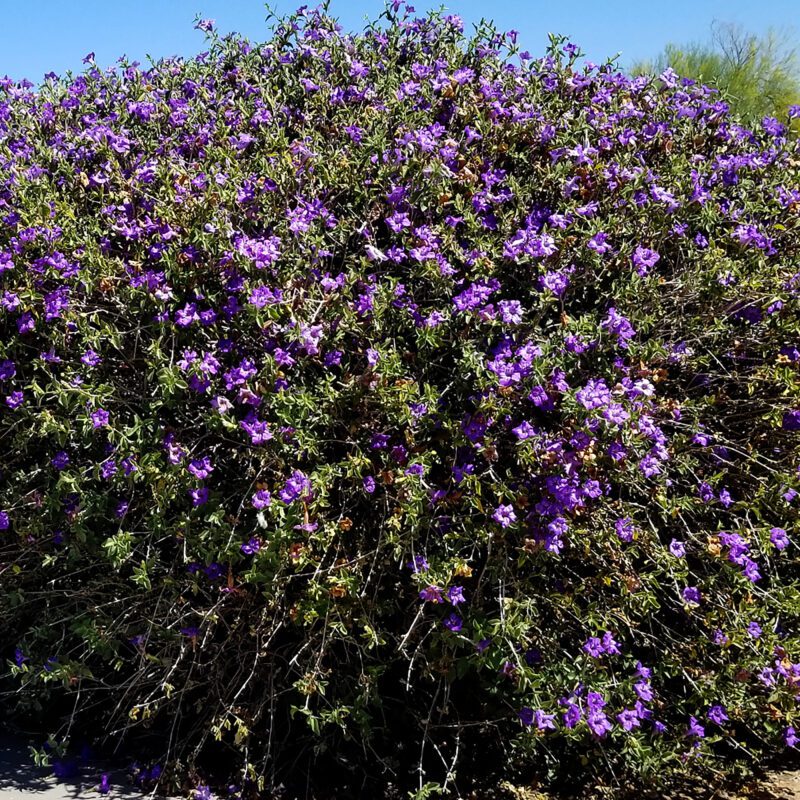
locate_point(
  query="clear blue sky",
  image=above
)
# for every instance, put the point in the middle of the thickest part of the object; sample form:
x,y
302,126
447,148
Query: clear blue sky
x,y
37,36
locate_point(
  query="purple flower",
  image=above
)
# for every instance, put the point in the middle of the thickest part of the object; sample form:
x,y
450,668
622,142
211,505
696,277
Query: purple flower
x,y
691,595
431,594
629,719
99,418
750,570
526,716
644,690
720,638
60,460
598,243
262,296
419,564
598,723
717,715
55,303
572,715
706,492
594,647
8,369
261,499
201,468
644,671
650,465
524,431
624,529
544,721
595,394
455,594
15,400
369,484
202,792
257,429
618,325
175,453
398,221
789,735
643,259
25,323
754,630
617,451
251,547
453,622
504,515
511,311
677,548
296,486
791,420
90,358
555,282
199,496
779,538
418,409
772,126
4,521
615,414
695,729
610,644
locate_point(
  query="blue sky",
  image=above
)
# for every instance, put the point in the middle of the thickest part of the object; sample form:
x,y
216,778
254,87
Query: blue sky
x,y
37,36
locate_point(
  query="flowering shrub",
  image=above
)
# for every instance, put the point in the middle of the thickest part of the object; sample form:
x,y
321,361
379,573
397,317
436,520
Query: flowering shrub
x,y
384,401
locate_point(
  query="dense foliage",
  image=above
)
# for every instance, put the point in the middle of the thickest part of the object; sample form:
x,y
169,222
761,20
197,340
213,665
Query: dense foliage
x,y
399,410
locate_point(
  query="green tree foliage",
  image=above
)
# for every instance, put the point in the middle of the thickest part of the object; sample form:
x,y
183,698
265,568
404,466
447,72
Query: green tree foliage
x,y
760,75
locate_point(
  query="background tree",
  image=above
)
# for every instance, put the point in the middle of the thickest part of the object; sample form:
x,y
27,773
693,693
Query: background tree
x,y
759,74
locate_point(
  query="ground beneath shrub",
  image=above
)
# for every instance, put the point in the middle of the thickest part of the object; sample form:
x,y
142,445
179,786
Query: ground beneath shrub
x,y
776,786
21,780
785,784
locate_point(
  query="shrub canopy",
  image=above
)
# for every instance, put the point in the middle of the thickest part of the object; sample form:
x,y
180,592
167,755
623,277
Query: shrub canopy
x,y
399,404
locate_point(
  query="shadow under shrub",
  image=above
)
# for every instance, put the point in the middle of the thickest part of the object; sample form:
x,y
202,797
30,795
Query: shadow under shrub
x,y
399,412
